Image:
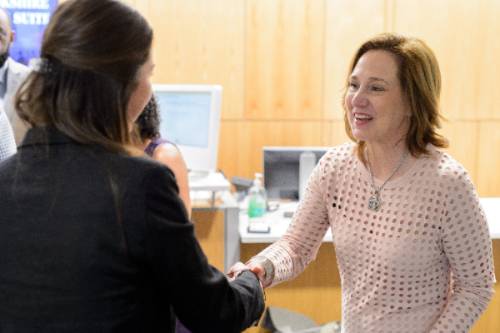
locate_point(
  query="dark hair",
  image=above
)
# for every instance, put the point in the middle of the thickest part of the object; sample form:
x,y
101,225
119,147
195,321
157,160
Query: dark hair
x,y
148,123
420,79
93,50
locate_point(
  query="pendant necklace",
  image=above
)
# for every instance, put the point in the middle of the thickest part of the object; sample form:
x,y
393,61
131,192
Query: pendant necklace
x,y
375,200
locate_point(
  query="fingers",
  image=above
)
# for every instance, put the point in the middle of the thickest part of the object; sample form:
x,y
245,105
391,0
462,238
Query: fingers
x,y
257,270
236,270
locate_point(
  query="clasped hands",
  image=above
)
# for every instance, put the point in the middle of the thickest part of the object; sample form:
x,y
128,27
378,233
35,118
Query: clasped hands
x,y
255,268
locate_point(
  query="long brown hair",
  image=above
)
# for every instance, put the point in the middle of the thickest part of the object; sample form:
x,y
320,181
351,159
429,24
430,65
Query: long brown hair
x,y
92,51
420,79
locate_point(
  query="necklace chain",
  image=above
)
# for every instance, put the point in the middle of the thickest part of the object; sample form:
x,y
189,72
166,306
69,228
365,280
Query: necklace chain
x,y
375,201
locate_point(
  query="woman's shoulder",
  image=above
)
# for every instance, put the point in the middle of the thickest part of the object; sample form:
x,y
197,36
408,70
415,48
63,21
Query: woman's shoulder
x,y
339,155
141,166
168,153
448,169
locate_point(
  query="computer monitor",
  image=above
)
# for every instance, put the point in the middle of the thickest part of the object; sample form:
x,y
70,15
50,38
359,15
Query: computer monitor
x,y
190,118
282,170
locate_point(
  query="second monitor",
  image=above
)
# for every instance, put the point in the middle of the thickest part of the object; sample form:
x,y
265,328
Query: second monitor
x,y
284,176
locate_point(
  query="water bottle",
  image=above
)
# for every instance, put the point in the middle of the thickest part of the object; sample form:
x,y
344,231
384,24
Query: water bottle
x,y
257,202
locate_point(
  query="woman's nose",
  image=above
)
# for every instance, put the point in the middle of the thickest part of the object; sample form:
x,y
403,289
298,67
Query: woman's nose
x,y
359,99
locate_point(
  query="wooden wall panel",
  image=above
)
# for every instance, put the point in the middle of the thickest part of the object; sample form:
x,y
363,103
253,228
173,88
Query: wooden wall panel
x,y
284,59
209,231
241,142
143,6
463,138
201,42
488,167
487,50
453,31
348,24
334,133
128,2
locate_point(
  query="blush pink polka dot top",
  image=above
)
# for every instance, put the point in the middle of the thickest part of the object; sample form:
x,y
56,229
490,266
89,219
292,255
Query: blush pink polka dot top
x,y
422,263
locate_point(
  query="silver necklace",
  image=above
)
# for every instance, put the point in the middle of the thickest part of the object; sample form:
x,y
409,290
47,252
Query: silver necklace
x,y
375,200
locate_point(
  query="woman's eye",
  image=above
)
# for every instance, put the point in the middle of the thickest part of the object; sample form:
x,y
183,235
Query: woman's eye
x,y
353,85
378,88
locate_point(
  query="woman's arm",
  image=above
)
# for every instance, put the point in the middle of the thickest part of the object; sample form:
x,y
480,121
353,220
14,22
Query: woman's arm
x,y
467,245
170,156
290,255
200,295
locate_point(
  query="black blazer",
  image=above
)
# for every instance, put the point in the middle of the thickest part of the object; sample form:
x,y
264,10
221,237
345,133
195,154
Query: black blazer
x,y
93,241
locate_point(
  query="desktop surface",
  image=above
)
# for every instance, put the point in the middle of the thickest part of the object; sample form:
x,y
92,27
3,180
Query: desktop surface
x,y
279,223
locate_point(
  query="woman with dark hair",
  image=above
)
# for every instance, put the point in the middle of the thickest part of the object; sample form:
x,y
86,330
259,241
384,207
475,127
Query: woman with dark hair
x,y
93,237
161,150
411,239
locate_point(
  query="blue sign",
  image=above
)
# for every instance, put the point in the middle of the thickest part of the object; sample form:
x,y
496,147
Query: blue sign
x,y
28,19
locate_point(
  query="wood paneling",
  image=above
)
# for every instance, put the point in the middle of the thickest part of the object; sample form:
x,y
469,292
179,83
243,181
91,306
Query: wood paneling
x,y
209,230
463,139
488,160
487,51
201,42
143,6
241,142
284,59
348,24
334,133
453,30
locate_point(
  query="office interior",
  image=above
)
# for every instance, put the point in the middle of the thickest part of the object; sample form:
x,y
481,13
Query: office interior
x,y
282,65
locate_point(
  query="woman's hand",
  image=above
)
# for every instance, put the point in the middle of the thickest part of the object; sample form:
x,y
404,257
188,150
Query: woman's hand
x,y
255,268
236,270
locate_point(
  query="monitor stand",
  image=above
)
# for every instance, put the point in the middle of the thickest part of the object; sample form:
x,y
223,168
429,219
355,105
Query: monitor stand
x,y
205,184
198,175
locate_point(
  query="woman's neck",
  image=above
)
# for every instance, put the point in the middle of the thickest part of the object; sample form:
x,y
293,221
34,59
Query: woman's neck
x,y
384,159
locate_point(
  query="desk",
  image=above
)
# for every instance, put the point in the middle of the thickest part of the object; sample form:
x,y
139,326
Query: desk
x,y
204,186
215,218
279,223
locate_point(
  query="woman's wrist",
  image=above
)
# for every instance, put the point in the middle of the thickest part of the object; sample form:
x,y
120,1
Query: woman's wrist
x,y
268,267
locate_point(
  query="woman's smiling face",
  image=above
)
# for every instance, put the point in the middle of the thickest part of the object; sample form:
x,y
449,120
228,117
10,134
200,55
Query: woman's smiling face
x,y
376,106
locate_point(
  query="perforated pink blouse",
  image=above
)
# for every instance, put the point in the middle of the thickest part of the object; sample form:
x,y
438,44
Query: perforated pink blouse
x,y
422,263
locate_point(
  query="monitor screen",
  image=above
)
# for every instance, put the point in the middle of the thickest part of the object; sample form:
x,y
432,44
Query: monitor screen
x,y
190,118
189,109
282,170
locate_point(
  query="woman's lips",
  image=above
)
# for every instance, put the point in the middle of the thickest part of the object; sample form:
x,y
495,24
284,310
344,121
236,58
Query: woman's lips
x,y
361,119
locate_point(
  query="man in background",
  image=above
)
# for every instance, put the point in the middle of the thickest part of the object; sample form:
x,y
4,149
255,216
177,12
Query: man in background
x,y
7,143
12,74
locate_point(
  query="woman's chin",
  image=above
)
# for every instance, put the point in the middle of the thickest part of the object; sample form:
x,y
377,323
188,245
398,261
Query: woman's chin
x,y
359,135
